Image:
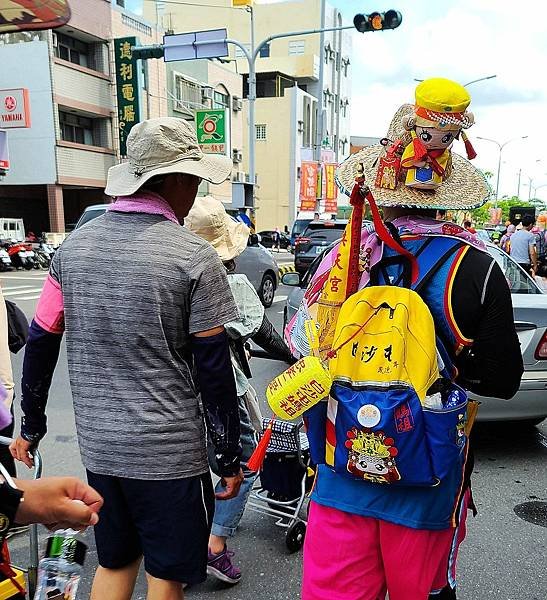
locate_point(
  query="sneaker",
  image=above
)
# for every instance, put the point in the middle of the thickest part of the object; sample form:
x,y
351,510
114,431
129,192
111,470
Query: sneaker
x,y
221,567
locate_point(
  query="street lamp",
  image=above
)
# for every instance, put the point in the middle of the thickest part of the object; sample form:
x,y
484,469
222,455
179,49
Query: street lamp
x,y
501,147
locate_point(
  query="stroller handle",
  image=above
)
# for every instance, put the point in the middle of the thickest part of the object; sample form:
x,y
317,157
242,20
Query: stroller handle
x,y
33,546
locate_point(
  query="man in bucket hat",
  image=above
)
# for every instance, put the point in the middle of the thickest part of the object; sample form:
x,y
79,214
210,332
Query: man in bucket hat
x,y
366,538
140,325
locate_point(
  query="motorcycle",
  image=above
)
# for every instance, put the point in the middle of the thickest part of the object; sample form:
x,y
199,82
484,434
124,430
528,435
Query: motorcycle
x,y
22,256
5,261
44,254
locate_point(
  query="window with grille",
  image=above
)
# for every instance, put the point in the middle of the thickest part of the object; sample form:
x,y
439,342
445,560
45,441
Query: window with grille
x,y
76,129
260,131
188,93
220,100
74,51
297,46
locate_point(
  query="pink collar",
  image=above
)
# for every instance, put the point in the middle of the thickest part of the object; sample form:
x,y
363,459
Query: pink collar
x,y
144,202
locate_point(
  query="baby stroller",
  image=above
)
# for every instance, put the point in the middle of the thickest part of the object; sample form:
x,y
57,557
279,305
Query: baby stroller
x,y
285,479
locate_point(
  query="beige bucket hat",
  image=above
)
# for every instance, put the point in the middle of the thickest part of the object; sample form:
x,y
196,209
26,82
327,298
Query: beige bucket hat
x,y
464,188
162,146
208,219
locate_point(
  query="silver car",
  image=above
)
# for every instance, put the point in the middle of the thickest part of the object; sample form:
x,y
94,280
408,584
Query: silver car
x,y
255,261
529,404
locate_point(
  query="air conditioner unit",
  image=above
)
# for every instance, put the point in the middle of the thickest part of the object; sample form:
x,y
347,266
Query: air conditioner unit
x,y
207,93
240,177
237,103
237,155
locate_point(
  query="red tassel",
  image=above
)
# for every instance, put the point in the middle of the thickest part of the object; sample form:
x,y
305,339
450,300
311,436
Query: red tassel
x,y
471,154
358,202
256,460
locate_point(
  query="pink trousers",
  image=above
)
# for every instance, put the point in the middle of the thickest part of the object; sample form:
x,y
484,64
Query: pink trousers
x,y
349,557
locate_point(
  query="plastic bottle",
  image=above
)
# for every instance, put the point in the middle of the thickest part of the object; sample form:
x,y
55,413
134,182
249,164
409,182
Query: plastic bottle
x,y
60,570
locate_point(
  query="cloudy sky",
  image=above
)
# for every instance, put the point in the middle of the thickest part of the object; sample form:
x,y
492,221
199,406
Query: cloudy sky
x,y
462,40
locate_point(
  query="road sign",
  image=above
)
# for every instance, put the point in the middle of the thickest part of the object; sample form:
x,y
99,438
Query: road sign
x,y
4,153
197,44
127,88
211,130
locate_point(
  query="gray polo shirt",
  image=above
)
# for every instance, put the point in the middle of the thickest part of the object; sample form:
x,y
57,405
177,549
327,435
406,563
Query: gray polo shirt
x,y
521,242
135,287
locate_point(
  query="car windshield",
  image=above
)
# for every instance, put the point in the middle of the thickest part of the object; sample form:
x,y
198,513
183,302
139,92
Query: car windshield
x,y
89,215
299,226
322,235
519,282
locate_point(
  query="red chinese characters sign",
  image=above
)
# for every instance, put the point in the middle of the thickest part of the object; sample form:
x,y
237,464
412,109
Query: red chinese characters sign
x,y
331,192
308,185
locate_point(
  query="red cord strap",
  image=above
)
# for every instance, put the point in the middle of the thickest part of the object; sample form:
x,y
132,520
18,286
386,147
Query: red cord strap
x,y
381,230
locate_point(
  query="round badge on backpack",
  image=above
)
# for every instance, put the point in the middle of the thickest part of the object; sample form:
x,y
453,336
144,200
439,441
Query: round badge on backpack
x,y
369,415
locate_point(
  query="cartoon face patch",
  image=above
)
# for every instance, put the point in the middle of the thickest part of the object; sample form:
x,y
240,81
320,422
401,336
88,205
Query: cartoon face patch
x,y
371,456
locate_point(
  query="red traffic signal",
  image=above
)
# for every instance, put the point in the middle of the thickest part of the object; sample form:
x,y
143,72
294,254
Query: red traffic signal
x,y
377,21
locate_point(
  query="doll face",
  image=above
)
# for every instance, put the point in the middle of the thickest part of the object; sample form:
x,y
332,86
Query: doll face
x,y
435,139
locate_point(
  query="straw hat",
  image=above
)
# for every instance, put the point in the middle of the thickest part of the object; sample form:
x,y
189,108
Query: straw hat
x,y
465,187
208,219
162,146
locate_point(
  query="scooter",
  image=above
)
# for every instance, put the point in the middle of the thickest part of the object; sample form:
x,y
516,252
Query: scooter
x,y
20,255
5,261
44,254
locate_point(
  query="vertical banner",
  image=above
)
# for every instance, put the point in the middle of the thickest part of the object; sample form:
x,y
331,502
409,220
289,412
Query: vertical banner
x,y
127,88
308,185
331,193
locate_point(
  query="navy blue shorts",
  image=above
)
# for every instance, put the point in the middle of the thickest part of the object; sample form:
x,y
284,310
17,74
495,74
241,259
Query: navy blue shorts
x,y
166,521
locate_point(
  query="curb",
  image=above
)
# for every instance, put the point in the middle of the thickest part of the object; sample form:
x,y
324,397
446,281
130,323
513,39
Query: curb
x,y
286,269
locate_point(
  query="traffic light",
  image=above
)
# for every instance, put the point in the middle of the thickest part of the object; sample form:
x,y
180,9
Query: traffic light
x,y
146,52
377,21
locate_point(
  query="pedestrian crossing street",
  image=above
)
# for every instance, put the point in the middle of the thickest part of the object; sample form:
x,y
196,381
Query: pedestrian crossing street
x,y
22,286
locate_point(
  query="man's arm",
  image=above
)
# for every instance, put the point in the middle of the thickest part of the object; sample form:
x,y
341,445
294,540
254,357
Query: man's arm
x,y
219,396
41,355
211,306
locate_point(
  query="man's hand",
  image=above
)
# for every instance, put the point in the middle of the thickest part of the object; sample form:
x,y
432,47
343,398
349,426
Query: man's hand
x,y
58,503
231,486
20,450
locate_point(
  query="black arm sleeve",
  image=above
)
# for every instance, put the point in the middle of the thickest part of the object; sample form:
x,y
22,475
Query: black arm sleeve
x,y
494,366
41,355
10,499
219,396
270,341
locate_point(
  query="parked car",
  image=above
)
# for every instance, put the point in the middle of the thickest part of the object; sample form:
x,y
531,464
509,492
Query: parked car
x,y
297,229
266,239
261,268
314,239
255,261
529,405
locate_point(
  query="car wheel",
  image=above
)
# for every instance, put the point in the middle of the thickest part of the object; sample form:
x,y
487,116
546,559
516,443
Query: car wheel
x,y
267,290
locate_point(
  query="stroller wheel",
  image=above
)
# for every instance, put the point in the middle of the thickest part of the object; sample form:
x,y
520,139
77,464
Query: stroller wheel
x,y
295,536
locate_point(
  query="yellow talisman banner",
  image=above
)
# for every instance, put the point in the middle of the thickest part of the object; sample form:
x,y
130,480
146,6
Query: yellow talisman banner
x,y
300,387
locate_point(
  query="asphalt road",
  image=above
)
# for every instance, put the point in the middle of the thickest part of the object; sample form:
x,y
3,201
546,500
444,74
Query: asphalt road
x,y
503,558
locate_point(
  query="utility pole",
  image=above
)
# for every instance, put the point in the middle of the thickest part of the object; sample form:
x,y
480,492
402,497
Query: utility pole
x,y
319,122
